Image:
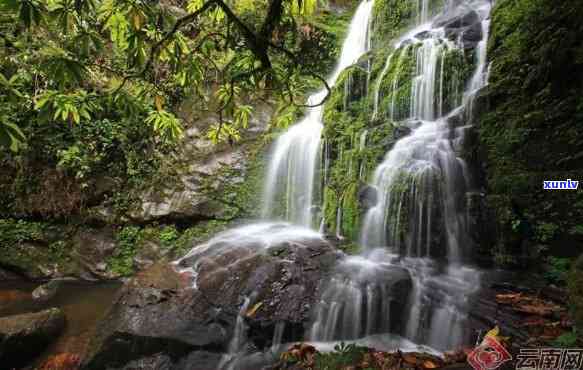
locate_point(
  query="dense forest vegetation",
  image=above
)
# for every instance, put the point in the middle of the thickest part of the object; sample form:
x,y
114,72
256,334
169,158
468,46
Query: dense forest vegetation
x,y
133,130
97,98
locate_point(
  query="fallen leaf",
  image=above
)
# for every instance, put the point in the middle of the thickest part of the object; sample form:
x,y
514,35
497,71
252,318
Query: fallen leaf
x,y
254,309
62,361
410,359
428,364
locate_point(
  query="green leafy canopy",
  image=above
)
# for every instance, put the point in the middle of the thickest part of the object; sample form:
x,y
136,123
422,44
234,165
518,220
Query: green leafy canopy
x,y
78,61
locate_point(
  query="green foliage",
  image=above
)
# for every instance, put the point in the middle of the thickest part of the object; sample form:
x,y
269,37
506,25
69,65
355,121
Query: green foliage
x,y
567,340
195,235
531,128
66,107
122,261
168,235
558,268
577,230
390,17
10,135
131,240
27,245
344,355
546,231
304,7
13,232
166,124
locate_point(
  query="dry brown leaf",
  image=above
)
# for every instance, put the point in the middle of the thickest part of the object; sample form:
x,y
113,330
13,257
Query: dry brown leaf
x,y
61,361
428,364
410,359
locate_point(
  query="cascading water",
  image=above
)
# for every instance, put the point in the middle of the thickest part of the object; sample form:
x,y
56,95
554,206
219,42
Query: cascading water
x,y
290,180
419,216
411,283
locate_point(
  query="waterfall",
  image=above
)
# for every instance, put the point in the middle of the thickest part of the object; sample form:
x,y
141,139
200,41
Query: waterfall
x,y
236,346
412,281
415,236
291,176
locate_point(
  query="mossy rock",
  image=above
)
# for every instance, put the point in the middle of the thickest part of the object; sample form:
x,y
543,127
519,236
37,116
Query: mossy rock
x,y
532,131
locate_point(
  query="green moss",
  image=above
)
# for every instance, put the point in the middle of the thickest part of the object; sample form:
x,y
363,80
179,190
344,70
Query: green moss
x,y
546,231
195,235
236,189
532,129
390,18
122,261
31,246
131,239
13,232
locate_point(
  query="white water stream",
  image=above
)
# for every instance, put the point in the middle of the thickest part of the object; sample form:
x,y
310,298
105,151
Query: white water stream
x,y
291,182
411,283
416,235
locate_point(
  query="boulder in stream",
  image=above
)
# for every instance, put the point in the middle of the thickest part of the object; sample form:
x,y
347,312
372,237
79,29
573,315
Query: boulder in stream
x,y
46,291
23,337
278,268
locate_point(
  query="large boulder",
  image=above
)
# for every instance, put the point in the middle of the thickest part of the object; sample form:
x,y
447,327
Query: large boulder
x,y
23,337
190,308
461,16
462,23
91,249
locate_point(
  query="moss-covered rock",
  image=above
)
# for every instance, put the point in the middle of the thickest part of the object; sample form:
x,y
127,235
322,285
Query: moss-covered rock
x,y
23,337
532,131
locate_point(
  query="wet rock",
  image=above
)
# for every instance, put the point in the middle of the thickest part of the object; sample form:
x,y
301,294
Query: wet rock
x,y
472,35
486,313
199,360
423,35
367,197
149,252
458,18
23,337
158,311
401,131
46,291
469,36
479,105
92,247
194,191
355,82
158,361
462,24
154,312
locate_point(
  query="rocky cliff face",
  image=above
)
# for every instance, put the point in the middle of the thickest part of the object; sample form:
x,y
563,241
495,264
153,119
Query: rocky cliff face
x,y
529,129
201,187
